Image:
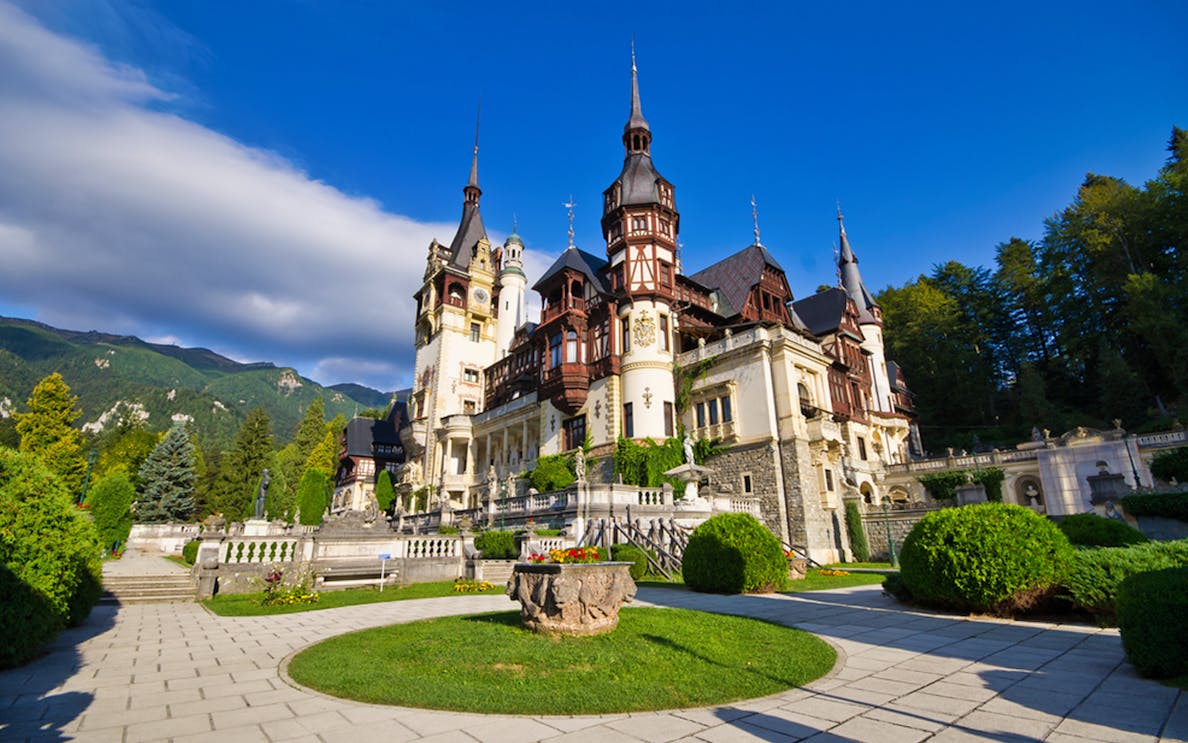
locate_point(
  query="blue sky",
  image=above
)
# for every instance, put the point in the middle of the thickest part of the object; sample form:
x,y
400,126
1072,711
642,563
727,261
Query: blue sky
x,y
262,178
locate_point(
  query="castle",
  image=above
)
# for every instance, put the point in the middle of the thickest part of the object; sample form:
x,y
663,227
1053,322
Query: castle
x,y
799,394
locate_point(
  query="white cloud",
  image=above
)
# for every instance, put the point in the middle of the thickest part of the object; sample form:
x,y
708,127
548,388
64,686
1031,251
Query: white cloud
x,y
119,217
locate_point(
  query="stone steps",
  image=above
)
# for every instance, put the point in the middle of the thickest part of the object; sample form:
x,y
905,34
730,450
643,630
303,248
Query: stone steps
x,y
147,589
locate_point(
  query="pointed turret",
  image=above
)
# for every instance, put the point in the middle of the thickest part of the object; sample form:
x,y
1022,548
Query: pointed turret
x,y
470,228
851,279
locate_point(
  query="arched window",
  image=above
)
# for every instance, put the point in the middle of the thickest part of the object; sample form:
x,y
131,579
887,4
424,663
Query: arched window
x,y
806,401
571,347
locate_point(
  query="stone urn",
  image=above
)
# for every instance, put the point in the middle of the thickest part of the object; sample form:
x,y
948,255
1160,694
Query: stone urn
x,y
571,599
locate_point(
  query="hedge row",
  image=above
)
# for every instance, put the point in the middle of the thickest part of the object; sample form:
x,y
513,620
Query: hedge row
x,y
1169,505
1091,530
1153,618
496,545
1094,575
49,558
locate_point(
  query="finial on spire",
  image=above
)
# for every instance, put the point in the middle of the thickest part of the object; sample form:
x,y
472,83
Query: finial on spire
x,y
474,160
636,120
755,218
570,205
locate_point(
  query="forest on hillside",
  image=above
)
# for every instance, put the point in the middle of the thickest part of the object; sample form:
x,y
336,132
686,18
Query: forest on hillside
x,y
1083,327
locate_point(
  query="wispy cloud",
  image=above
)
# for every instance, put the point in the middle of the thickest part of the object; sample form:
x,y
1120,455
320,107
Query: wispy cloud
x,y
118,216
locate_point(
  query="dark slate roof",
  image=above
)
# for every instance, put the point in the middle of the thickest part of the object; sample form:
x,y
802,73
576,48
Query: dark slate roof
x,y
894,377
638,181
636,120
852,279
588,264
470,231
363,433
822,312
735,276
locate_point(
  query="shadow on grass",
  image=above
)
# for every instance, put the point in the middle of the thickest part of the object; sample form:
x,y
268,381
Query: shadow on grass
x,y
680,648
1038,672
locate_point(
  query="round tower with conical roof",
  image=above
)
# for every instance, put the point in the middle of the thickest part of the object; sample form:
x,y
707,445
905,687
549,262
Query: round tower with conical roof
x,y
512,283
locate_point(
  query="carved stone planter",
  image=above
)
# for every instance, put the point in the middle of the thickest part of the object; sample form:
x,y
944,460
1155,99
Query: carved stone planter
x,y
571,599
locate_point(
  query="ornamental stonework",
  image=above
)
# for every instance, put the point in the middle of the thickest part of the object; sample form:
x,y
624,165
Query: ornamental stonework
x,y
644,330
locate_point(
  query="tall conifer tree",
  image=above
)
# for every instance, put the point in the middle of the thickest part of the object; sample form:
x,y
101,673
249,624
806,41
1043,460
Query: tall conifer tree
x,y
241,467
47,431
167,480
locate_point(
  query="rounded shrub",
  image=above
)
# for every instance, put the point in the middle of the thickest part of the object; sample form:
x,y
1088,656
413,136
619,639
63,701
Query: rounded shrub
x,y
634,555
734,553
190,551
1091,530
496,545
992,558
1153,618
49,557
1094,575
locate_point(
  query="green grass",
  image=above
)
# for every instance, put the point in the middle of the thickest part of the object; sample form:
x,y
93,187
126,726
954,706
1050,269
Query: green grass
x,y
814,581
248,604
179,560
870,565
655,659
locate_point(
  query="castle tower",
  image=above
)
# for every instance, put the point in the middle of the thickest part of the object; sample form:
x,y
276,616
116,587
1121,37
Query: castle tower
x,y
870,320
641,223
512,310
455,342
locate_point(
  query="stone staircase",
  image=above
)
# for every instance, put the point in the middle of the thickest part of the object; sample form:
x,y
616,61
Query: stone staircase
x,y
147,589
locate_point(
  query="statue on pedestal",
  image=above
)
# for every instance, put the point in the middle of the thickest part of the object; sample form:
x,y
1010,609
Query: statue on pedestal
x,y
261,495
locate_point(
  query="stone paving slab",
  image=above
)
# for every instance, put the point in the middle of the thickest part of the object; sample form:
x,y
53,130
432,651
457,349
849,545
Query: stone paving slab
x,y
176,672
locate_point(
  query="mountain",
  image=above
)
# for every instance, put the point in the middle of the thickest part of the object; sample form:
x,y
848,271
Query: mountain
x,y
166,382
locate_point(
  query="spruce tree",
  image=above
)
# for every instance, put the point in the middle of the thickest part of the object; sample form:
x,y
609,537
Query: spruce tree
x,y
167,481
47,431
241,467
312,427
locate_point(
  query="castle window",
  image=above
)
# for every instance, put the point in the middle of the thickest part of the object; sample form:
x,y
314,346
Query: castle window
x,y
712,407
639,224
574,431
806,401
469,407
628,421
555,351
701,415
476,331
748,485
862,448
571,347
725,403
664,342
665,274
668,419
470,375
625,335
829,480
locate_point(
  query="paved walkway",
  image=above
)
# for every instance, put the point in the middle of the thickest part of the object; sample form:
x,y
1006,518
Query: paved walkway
x,y
175,671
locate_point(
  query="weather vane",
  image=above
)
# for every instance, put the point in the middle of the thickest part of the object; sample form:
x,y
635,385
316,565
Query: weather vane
x,y
570,205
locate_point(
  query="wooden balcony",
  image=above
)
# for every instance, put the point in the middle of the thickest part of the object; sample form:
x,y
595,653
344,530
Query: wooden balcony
x,y
566,385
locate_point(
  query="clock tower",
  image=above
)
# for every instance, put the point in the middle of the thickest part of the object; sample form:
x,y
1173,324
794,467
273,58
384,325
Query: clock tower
x,y
455,340
641,223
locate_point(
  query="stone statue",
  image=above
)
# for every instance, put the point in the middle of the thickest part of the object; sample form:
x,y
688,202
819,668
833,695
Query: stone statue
x,y
511,486
579,465
688,444
491,476
261,495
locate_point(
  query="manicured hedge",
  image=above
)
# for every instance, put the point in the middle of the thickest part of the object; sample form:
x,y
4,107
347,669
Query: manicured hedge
x,y
634,555
991,557
552,472
1169,505
1094,575
734,553
1153,618
496,545
49,558
1171,464
190,551
857,534
1091,530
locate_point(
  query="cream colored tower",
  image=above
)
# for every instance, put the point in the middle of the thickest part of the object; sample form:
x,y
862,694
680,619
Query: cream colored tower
x,y
512,310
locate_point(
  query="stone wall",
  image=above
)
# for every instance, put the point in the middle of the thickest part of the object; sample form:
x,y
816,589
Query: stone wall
x,y
901,521
757,461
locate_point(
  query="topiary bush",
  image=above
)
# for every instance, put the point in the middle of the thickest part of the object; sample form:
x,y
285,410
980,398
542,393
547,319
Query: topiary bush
x,y
634,555
1091,530
991,558
311,496
1153,618
49,557
1093,575
857,534
552,473
190,551
496,545
734,553
1168,505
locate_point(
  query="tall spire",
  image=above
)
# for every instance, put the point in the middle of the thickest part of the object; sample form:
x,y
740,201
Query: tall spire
x,y
847,268
472,189
637,136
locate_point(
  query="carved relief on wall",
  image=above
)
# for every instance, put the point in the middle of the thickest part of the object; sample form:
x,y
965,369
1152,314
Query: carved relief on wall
x,y
644,330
